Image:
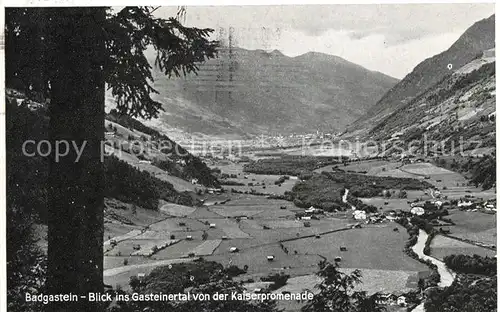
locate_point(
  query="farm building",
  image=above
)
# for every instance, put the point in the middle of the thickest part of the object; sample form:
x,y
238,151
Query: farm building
x,y
189,237
270,258
312,210
233,249
391,218
359,215
387,299
343,248
338,259
417,211
212,225
464,203
212,190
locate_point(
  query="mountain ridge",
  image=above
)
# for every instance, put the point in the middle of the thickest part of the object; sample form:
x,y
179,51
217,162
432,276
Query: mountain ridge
x,y
250,92
477,38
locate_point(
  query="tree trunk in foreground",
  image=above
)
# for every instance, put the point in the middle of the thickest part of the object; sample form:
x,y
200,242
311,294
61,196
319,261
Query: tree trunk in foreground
x,y
75,186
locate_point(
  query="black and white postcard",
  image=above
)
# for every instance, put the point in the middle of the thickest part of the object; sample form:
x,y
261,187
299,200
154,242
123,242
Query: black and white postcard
x,y
258,158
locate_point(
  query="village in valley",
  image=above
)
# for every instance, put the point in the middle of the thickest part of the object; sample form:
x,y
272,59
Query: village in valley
x,y
263,218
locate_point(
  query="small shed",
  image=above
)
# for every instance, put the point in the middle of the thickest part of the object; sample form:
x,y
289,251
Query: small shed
x,y
338,259
343,248
212,225
189,237
233,249
270,258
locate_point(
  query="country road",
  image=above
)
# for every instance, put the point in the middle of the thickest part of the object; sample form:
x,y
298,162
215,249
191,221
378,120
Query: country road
x,y
121,275
128,268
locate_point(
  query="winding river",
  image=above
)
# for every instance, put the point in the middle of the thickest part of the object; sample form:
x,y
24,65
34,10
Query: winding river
x,y
447,276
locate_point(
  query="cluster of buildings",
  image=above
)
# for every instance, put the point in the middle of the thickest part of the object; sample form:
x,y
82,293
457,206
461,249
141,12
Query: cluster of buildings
x,y
309,214
473,204
374,218
392,299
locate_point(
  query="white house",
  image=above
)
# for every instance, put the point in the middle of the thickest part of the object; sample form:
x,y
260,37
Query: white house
x,y
359,215
464,203
391,218
312,210
417,211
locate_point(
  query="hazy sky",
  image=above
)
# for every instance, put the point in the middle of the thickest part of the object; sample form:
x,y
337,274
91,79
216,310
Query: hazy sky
x,y
390,38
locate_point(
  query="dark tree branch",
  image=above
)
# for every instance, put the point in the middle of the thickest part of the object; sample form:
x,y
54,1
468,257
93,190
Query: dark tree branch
x,y
128,72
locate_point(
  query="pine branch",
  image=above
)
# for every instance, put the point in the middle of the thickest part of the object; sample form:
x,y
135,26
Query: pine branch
x,y
179,51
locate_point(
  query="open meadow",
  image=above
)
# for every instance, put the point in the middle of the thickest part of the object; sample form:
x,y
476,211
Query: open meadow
x,y
442,246
260,227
